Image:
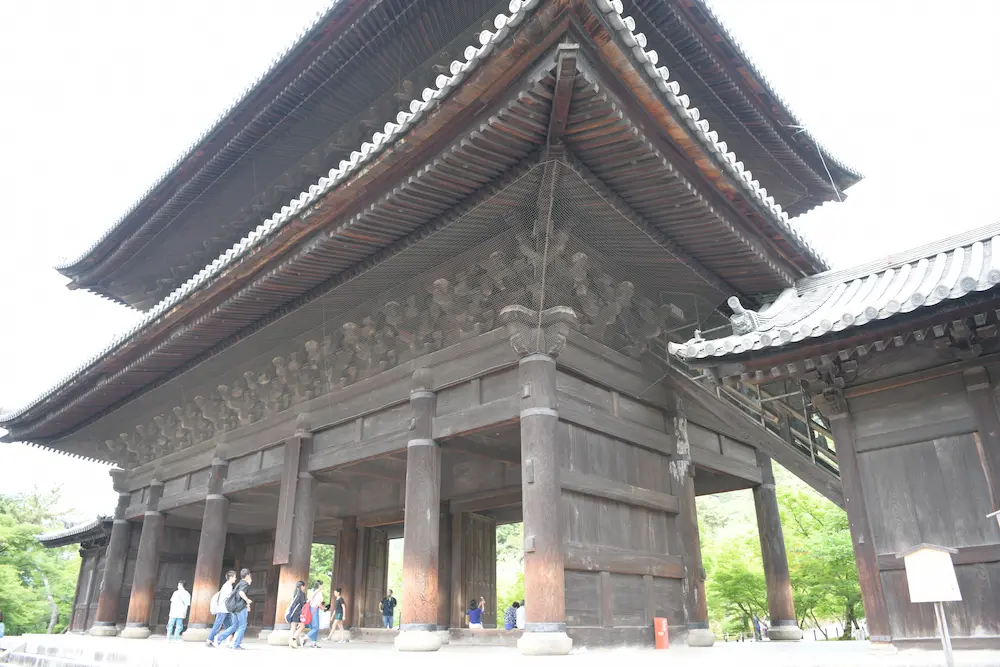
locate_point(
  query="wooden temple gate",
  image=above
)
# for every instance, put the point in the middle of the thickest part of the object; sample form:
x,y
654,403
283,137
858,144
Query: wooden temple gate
x,y
462,323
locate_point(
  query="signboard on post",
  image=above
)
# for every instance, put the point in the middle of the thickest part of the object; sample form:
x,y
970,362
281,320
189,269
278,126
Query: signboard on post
x,y
930,576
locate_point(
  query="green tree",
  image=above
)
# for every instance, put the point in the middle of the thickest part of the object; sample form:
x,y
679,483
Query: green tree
x,y
321,566
820,558
37,585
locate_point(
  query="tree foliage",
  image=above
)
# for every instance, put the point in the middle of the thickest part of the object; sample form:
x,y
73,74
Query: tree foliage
x,y
820,558
28,570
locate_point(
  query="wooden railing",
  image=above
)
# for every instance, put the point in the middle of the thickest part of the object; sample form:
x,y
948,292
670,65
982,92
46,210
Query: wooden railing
x,y
787,413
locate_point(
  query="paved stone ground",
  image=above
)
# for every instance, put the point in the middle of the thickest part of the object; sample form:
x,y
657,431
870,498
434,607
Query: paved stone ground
x,y
74,651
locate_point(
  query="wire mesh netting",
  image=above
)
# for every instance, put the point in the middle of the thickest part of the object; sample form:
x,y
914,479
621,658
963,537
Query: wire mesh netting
x,y
547,240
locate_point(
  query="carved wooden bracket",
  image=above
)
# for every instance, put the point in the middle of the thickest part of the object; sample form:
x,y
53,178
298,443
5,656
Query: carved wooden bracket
x,y
534,332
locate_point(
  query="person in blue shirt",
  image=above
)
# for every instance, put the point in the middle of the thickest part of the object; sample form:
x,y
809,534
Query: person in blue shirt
x,y
1,625
476,614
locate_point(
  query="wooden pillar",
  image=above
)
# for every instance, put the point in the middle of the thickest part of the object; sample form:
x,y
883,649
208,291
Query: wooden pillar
x,y
346,566
842,429
211,547
780,604
980,392
421,524
114,564
682,472
444,570
300,533
140,604
537,338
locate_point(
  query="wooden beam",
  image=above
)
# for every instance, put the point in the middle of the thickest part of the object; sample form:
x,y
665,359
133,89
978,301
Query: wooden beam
x,y
489,415
286,501
483,452
486,500
340,456
595,419
392,470
980,392
598,487
725,464
985,553
594,558
563,93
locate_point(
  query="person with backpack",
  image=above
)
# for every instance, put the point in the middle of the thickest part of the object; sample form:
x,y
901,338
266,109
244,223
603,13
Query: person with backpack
x,y
218,606
238,606
295,613
315,607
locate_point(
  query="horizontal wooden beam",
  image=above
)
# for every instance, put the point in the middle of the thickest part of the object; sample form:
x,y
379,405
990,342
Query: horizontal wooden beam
x,y
491,453
591,485
501,411
986,553
485,500
602,421
594,558
725,464
353,452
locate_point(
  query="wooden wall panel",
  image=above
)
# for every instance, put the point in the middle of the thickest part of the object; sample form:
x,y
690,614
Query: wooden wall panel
x,y
583,602
479,566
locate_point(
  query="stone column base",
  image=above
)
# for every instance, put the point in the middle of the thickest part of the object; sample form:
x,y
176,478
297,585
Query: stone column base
x,y
103,631
418,640
701,637
279,637
265,633
544,643
136,632
196,634
445,636
784,633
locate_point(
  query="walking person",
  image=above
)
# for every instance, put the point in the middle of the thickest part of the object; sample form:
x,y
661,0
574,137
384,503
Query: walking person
x,y
238,605
2,628
179,603
476,614
388,608
522,616
218,606
756,628
315,607
338,616
510,616
294,614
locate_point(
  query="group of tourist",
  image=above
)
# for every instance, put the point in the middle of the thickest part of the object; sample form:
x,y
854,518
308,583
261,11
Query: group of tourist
x,y
305,612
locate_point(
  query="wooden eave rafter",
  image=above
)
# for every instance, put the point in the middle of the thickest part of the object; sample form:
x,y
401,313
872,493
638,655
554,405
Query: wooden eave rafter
x,y
486,87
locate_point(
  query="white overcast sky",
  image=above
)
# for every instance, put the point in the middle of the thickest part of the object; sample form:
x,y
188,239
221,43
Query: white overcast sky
x,y
100,97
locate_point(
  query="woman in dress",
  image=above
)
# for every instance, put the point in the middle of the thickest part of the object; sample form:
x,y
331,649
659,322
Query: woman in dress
x,y
294,615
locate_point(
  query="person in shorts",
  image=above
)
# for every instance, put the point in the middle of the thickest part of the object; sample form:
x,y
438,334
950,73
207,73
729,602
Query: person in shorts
x,y
338,616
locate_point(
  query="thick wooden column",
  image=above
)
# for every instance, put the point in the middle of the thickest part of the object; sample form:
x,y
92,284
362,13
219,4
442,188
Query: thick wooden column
x,y
296,565
140,604
842,429
780,604
421,524
980,392
538,337
114,564
346,566
211,546
682,474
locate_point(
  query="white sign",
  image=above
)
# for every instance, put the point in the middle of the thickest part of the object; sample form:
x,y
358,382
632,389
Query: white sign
x,y
930,574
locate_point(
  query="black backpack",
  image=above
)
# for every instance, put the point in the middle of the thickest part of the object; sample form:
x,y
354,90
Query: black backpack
x,y
234,602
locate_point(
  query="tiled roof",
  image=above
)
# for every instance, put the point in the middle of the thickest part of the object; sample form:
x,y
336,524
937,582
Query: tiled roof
x,y
839,300
74,534
429,99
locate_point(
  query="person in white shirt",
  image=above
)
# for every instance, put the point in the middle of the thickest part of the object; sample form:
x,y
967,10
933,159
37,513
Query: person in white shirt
x,y
179,603
218,606
316,602
520,616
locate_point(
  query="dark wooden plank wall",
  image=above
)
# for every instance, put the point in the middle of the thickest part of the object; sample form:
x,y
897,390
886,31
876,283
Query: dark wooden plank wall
x,y
88,589
372,576
177,561
923,482
479,564
622,553
255,552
